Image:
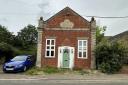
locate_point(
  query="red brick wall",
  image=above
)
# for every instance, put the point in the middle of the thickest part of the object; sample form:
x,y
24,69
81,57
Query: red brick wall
x,y
78,21
66,38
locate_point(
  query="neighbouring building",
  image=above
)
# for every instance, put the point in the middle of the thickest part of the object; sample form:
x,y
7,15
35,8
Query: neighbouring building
x,y
66,40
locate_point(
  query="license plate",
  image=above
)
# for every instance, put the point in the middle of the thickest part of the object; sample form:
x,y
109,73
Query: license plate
x,y
9,69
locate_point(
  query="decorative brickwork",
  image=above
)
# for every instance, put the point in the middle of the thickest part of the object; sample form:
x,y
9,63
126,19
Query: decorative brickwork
x,y
66,24
67,27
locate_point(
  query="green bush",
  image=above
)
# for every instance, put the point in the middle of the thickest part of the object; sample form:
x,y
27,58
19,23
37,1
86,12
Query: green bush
x,y
6,51
109,56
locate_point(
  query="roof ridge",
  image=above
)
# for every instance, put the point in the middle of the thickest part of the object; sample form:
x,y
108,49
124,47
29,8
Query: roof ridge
x,y
63,10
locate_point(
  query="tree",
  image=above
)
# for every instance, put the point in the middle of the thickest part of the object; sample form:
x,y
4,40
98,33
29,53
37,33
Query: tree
x,y
6,36
27,36
6,44
100,33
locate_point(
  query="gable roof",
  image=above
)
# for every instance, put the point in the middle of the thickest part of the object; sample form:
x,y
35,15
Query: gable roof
x,y
120,36
67,8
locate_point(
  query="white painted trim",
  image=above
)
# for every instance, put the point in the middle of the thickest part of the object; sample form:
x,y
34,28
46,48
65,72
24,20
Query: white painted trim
x,y
39,48
50,48
72,62
60,56
82,49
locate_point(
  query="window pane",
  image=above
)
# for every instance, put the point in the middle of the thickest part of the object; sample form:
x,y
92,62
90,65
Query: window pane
x,y
48,47
84,43
84,48
80,48
80,54
52,53
80,43
48,52
52,42
48,42
84,54
52,47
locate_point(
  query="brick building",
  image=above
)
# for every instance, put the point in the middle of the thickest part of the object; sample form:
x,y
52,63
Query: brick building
x,y
66,40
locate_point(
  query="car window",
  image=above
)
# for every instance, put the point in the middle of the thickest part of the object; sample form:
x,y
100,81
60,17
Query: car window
x,y
19,58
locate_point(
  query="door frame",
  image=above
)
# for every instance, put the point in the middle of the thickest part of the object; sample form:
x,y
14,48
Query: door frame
x,y
71,56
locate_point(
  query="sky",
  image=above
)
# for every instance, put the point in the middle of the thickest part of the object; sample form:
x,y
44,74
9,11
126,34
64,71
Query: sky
x,y
16,14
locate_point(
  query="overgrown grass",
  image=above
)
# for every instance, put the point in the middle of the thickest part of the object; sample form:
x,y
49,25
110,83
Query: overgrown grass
x,y
34,71
45,70
53,70
50,70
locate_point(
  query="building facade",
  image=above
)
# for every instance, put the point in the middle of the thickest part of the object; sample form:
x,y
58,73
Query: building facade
x,y
66,40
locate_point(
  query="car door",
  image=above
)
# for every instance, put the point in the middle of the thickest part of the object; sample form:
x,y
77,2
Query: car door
x,y
29,61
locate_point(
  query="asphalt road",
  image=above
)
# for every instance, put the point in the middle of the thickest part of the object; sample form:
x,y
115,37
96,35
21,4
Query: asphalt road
x,y
62,82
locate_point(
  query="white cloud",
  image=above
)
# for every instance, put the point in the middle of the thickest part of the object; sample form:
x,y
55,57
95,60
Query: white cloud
x,y
15,14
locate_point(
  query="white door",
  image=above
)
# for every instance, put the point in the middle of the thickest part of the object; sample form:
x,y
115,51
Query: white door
x,y
66,57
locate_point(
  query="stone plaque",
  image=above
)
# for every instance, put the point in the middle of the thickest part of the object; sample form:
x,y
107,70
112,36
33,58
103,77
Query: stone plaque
x,y
67,24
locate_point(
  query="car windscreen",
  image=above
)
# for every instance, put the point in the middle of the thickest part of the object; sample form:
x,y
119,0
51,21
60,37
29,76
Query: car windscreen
x,y
19,58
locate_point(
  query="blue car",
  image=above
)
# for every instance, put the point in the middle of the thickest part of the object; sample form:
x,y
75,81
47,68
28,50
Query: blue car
x,y
18,63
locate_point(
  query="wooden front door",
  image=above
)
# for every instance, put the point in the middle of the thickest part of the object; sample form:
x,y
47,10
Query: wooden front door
x,y
66,58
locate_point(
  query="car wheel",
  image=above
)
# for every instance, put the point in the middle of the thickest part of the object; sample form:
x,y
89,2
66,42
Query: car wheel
x,y
25,68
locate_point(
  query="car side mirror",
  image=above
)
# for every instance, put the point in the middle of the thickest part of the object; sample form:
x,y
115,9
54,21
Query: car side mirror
x,y
28,59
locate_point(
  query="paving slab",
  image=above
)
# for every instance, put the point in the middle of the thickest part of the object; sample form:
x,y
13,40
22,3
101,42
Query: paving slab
x,y
22,76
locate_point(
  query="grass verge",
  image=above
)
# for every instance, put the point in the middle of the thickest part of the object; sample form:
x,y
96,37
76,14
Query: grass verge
x,y
52,70
45,70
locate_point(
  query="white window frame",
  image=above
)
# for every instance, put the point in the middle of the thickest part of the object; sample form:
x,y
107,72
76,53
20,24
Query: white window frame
x,y
86,49
50,49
